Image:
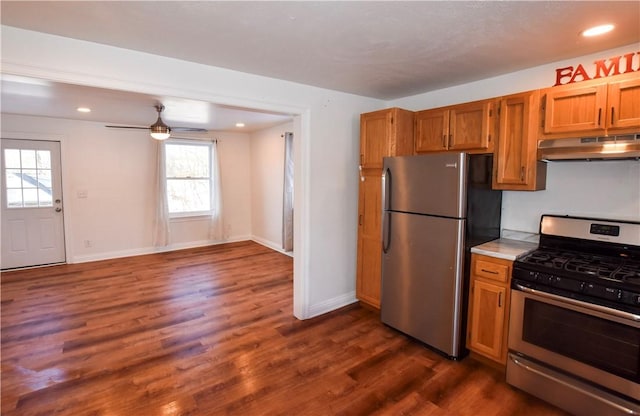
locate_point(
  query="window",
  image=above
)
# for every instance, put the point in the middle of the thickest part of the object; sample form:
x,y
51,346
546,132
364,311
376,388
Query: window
x,y
188,174
28,178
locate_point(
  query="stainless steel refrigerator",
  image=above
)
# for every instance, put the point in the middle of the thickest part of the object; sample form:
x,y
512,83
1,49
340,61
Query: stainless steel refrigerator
x,y
435,208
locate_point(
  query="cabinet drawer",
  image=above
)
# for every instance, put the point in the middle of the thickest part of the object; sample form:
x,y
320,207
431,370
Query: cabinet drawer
x,y
491,270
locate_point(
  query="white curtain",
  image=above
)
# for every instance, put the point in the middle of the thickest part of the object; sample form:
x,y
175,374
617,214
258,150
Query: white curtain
x,y
287,197
161,221
215,223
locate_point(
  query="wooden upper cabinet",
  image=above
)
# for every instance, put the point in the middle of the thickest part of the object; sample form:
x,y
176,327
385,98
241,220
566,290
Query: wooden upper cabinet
x,y
431,130
384,133
573,108
460,127
624,104
515,165
470,125
598,107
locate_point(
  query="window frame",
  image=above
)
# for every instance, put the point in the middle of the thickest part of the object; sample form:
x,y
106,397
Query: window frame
x,y
188,142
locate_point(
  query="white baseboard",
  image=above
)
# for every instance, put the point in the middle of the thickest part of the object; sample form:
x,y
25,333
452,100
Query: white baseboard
x,y
330,305
151,250
271,244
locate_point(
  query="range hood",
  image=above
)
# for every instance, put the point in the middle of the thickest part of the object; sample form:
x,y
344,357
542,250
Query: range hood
x,y
591,148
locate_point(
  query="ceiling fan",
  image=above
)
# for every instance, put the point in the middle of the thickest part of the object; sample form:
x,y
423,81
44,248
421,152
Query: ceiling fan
x,y
159,130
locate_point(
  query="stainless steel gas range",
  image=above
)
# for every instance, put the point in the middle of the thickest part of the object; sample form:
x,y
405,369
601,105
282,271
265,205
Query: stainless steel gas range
x,y
574,330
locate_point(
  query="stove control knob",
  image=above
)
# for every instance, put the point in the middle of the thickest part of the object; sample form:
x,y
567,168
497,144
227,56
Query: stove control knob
x,y
610,293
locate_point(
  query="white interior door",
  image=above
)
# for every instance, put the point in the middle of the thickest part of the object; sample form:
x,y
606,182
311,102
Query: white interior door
x,y
32,220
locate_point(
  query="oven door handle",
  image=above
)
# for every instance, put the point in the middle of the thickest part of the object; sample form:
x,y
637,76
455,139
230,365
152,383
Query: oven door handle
x,y
593,307
530,368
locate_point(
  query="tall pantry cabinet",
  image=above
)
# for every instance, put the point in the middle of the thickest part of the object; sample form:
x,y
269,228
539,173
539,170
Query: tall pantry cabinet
x,y
383,133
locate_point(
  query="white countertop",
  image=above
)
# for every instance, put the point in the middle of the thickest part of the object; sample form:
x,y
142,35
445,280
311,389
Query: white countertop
x,y
505,248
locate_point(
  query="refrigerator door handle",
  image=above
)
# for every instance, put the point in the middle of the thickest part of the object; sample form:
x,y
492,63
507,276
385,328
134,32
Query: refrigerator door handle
x,y
386,231
386,215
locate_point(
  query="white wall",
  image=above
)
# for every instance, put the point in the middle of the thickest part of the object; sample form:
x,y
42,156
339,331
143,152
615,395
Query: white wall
x,y
605,189
325,125
599,189
116,169
267,180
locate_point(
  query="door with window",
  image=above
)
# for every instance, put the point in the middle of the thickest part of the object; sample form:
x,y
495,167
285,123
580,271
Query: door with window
x,y
32,219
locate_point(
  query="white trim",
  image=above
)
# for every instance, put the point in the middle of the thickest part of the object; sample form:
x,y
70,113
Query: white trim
x,y
332,304
301,218
271,245
109,255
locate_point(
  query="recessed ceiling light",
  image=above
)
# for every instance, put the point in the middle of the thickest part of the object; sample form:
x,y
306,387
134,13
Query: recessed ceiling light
x,y
239,124
597,30
84,109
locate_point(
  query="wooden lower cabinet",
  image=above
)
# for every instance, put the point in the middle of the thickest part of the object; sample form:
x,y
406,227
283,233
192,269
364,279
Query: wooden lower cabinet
x,y
489,301
369,237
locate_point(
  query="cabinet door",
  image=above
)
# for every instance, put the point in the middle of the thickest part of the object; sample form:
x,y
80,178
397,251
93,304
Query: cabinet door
x,y
624,104
375,137
516,167
488,312
470,125
571,109
369,238
431,130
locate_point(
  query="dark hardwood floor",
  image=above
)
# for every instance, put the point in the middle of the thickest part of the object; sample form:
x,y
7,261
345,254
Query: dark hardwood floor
x,y
210,331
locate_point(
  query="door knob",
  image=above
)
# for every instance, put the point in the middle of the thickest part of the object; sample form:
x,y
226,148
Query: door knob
x,y
58,209
58,201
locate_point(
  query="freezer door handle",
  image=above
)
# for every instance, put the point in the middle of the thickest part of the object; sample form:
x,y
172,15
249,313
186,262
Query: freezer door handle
x,y
386,189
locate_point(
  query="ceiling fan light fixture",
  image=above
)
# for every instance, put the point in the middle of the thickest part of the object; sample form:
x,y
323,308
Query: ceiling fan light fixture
x,y
158,135
159,130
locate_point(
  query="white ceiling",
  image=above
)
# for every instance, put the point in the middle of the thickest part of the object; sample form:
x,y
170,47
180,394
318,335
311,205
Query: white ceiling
x,y
385,49
37,97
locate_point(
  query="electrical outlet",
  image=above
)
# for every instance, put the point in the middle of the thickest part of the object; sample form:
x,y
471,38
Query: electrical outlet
x,y
88,243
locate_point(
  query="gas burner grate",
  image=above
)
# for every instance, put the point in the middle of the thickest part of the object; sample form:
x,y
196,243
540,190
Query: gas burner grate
x,y
592,266
551,259
629,274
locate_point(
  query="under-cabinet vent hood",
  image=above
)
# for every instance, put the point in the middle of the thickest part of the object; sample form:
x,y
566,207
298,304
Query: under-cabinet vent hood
x,y
591,148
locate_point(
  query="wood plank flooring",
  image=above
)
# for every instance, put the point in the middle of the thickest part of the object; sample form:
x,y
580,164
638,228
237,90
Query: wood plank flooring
x,y
210,331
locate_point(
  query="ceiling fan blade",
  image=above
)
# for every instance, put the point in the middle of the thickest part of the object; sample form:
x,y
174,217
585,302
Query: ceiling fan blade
x,y
189,129
128,127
